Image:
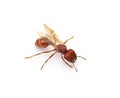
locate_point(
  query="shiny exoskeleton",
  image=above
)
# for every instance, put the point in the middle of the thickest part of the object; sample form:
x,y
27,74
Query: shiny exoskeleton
x,y
67,55
42,42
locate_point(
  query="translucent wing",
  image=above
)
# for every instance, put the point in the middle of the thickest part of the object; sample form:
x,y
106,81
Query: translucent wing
x,y
50,34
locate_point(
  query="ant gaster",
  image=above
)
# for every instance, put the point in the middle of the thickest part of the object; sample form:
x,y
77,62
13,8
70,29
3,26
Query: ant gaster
x,y
51,38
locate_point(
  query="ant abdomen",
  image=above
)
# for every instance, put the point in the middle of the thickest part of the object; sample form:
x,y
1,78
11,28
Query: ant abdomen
x,y
70,55
42,42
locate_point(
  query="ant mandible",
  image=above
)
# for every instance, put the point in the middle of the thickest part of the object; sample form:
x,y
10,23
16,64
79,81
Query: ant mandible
x,y
51,38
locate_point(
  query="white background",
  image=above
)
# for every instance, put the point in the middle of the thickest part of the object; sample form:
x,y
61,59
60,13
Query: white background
x,y
95,25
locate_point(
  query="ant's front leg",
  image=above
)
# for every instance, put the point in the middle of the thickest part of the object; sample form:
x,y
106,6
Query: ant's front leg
x,y
66,62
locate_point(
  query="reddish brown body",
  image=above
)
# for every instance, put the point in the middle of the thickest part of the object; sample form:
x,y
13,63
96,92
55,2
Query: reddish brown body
x,y
66,54
69,55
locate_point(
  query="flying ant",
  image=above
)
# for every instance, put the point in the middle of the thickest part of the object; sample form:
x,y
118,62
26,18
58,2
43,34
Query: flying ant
x,y
51,38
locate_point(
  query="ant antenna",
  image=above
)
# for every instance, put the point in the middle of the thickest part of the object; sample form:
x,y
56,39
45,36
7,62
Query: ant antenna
x,y
66,62
67,40
39,54
81,57
75,67
48,59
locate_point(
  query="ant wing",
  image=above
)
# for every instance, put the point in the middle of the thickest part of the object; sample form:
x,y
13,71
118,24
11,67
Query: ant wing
x,y
52,35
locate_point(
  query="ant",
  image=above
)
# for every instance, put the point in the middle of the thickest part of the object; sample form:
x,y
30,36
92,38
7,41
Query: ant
x,y
51,38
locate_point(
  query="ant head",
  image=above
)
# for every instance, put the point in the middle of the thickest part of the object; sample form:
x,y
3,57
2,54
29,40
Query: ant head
x,y
70,56
62,48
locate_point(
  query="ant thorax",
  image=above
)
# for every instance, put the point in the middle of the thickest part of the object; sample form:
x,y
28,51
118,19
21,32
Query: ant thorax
x,y
61,48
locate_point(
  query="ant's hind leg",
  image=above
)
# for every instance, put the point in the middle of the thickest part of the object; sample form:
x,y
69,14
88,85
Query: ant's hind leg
x,y
39,54
48,59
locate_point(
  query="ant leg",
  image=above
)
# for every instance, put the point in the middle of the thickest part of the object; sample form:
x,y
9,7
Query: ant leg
x,y
67,40
69,64
65,61
48,59
75,67
81,57
39,54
